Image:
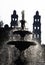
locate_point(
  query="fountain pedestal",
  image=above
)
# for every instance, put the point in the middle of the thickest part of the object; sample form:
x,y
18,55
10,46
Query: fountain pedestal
x,y
21,45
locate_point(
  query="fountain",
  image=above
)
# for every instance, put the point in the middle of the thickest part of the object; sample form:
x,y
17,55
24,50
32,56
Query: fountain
x,y
22,44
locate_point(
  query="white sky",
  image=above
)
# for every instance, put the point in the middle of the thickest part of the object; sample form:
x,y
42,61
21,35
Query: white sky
x,y
30,7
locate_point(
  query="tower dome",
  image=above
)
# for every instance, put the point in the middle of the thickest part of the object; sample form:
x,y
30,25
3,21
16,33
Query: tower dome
x,y
14,12
37,12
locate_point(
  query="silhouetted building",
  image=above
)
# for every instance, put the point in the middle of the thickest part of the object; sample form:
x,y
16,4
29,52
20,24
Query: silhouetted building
x,y
14,19
37,27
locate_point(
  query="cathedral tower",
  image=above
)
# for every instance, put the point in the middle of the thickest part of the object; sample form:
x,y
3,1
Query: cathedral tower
x,y
37,27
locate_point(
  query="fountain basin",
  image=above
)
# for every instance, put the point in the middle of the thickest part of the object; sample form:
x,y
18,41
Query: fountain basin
x,y
22,33
21,45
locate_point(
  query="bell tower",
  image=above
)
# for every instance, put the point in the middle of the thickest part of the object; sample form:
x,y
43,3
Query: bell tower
x,y
14,19
37,27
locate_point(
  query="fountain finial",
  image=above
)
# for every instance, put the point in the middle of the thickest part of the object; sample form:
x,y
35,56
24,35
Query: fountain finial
x,y
22,21
22,15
